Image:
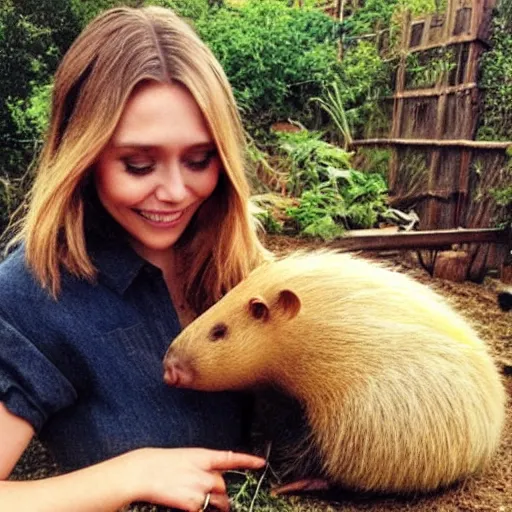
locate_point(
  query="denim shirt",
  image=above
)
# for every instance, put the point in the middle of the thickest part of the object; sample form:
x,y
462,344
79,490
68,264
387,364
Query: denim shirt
x,y
86,369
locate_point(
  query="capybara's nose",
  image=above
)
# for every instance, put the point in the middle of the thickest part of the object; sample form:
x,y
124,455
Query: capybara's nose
x,y
176,373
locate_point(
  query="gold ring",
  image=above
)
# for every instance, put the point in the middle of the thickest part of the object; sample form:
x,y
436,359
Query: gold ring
x,y
206,501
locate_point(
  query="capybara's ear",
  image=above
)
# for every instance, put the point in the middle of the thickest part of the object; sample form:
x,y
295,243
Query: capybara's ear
x,y
259,309
289,303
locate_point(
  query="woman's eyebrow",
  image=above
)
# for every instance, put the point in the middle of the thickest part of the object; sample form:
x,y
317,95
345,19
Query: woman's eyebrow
x,y
132,145
203,145
148,147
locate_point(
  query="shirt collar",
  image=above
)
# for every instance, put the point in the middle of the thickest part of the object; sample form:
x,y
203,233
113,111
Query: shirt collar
x,y
117,265
111,253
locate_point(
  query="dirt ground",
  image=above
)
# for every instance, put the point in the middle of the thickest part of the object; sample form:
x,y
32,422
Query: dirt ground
x,y
490,491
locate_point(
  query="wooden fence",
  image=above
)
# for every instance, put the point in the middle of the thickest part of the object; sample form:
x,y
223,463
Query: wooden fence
x,y
437,167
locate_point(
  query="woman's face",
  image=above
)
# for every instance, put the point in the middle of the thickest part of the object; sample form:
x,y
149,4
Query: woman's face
x,y
160,165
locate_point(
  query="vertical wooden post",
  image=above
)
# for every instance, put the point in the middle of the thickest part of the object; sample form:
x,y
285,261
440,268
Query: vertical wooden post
x,y
433,206
398,103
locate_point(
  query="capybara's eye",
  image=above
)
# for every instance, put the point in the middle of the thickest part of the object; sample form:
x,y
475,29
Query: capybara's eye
x,y
218,331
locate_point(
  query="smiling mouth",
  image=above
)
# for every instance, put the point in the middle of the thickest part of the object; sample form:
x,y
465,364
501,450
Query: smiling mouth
x,y
161,217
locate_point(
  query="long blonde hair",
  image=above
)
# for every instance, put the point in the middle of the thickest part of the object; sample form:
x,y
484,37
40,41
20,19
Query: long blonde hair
x,y
116,51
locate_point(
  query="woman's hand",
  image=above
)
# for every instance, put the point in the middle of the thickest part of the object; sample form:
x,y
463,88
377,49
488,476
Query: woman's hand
x,y
183,477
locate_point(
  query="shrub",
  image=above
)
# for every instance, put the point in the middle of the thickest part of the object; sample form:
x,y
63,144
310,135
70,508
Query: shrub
x,y
496,80
331,195
275,57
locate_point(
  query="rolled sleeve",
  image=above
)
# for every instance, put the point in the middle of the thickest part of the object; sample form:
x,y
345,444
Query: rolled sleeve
x,y
31,386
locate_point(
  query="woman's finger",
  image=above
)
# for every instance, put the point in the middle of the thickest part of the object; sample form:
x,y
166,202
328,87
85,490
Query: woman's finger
x,y
225,460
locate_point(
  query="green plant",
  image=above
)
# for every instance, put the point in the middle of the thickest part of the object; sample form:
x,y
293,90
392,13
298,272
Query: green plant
x,y
332,103
311,159
275,57
365,78
319,211
496,80
373,160
503,195
331,195
365,195
31,115
251,494
429,68
191,9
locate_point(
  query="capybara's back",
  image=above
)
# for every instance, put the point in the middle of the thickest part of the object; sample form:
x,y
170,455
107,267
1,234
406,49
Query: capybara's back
x,y
400,393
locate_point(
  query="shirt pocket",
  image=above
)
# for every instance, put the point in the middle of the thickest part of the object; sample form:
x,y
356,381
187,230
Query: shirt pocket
x,y
137,350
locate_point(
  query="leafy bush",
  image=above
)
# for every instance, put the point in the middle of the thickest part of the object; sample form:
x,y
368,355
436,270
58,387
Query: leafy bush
x,y
312,161
503,194
377,15
374,160
192,9
31,115
318,212
331,195
29,52
496,80
275,57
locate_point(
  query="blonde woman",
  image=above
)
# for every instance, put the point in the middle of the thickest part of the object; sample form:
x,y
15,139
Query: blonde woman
x,y
137,222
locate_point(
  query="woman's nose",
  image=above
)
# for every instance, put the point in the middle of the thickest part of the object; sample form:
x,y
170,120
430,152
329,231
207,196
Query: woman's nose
x,y
171,185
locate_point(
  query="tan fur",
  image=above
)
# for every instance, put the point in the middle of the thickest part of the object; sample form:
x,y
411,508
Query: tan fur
x,y
400,393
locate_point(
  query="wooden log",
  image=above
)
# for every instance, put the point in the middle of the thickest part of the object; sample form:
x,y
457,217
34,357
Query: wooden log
x,y
418,239
284,127
506,273
452,265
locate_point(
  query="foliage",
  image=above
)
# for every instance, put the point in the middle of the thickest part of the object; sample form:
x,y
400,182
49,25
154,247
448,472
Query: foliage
x,y
311,160
377,15
496,80
429,68
85,10
503,195
318,211
275,57
332,196
374,160
365,78
192,9
32,114
27,55
333,104
250,494
29,51
374,15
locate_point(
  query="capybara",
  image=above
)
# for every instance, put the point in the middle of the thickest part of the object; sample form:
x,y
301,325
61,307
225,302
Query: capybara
x,y
399,392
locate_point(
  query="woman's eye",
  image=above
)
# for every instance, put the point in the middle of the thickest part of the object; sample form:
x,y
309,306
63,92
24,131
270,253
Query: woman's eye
x,y
138,167
200,161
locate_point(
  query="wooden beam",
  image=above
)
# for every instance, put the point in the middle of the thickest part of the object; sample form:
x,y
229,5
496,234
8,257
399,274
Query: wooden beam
x,y
421,239
450,42
434,91
465,143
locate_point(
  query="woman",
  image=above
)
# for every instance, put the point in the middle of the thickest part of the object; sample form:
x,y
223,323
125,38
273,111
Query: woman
x,y
137,222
